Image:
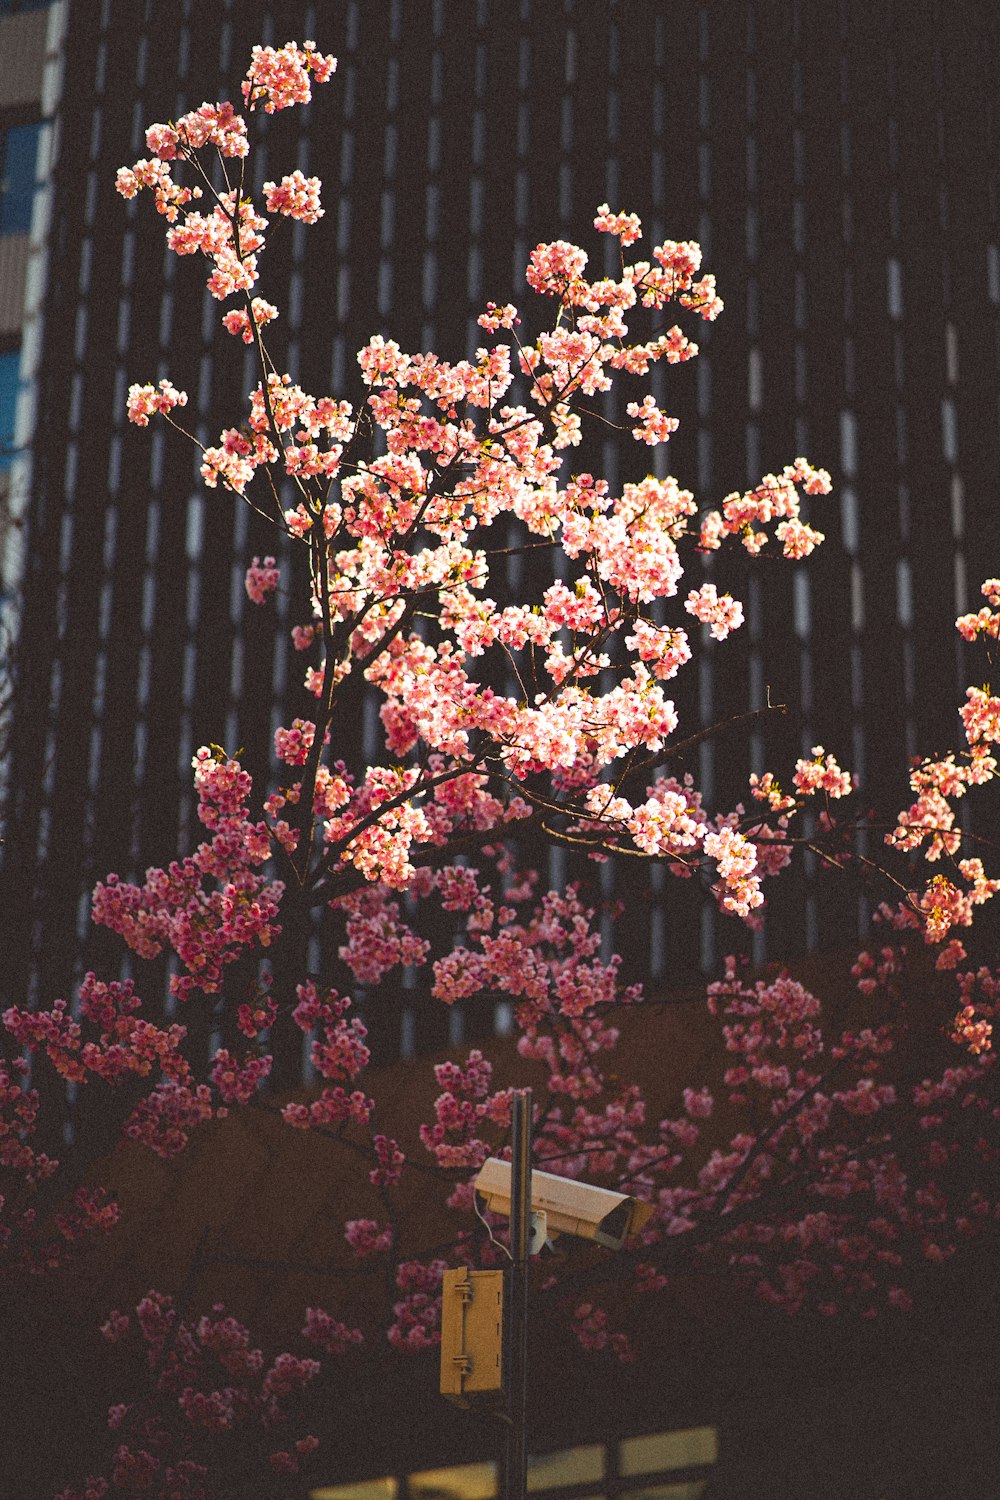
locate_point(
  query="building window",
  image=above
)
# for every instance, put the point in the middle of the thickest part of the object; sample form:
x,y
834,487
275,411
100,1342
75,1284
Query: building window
x,y
19,148
9,364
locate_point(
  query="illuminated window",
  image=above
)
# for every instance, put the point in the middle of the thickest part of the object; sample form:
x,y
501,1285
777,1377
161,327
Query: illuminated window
x,y
369,1489
685,1489
573,1466
657,1466
461,1482
669,1450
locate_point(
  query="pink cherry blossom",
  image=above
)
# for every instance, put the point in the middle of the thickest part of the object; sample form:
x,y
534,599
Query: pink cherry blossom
x,y
279,77
239,323
295,196
143,400
822,773
723,614
654,426
626,227
261,579
986,621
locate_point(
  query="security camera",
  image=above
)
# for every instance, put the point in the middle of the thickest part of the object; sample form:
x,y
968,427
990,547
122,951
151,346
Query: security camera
x,y
569,1207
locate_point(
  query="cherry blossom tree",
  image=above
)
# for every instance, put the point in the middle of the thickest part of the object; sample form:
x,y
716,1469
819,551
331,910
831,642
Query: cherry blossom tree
x,y
835,1158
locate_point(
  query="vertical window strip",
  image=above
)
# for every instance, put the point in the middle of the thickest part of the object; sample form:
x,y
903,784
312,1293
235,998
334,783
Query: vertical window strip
x,y
238,606
706,675
849,516
798,225
432,191
566,132
704,369
895,309
950,419
611,402
194,551
514,562
755,363
348,72
389,167
704,153
612,164
801,589
523,140
658,186
477,189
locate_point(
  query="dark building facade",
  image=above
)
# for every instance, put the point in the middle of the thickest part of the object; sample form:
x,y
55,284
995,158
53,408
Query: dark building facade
x,y
30,67
838,163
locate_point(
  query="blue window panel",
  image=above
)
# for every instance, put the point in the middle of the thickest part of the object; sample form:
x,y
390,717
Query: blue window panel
x,y
17,178
9,386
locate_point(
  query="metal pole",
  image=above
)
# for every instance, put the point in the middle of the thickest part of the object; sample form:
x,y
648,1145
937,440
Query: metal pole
x,y
516,1465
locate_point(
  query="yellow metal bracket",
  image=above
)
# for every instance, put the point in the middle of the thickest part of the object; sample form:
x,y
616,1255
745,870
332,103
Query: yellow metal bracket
x,y
472,1336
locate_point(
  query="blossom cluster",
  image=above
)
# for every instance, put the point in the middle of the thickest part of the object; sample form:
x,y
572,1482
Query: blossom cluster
x,y
416,1324
127,1043
723,615
231,235
295,196
774,498
144,400
398,526
26,1241
261,579
208,930
813,1204
205,1379
985,621
338,1053
242,324
929,825
278,77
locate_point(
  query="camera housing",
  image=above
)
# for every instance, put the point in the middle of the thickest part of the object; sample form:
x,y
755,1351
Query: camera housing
x,y
570,1207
